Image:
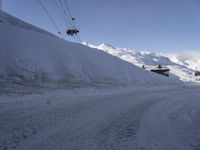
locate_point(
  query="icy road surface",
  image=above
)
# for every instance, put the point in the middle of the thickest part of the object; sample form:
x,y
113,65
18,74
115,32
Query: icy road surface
x,y
139,119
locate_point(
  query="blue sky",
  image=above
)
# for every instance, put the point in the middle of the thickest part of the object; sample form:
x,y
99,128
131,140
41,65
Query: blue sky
x,y
152,25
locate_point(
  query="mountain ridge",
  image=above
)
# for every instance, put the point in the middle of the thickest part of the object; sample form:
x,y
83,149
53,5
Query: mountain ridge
x,y
179,68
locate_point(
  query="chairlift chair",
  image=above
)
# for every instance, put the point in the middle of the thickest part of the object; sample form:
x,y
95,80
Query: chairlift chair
x,y
72,31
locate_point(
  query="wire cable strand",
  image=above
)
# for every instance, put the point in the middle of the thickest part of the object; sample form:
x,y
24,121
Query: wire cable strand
x,y
73,22
61,12
53,22
68,17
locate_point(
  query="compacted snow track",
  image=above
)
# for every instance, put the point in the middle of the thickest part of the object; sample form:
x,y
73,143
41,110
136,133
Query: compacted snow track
x,y
139,119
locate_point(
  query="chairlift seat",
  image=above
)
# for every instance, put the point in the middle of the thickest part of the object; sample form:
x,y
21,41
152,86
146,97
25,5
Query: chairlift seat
x,y
72,32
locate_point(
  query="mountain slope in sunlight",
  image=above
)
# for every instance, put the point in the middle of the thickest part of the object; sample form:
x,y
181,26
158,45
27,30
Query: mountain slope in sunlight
x,y
178,69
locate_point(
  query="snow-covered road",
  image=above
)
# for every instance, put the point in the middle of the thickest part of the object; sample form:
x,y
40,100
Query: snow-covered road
x,y
144,119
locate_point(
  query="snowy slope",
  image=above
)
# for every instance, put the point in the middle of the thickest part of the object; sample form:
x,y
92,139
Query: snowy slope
x,y
149,59
191,59
7,18
34,55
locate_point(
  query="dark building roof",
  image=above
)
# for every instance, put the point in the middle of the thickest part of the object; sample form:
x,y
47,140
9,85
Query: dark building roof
x,y
162,71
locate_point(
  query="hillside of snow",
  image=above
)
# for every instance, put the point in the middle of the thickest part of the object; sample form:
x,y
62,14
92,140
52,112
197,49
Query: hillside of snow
x,y
178,69
191,59
29,54
7,18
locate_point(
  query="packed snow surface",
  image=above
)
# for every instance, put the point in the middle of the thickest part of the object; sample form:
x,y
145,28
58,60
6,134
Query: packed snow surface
x,y
139,118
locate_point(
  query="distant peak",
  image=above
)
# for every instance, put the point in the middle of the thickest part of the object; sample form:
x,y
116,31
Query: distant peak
x,y
106,45
84,43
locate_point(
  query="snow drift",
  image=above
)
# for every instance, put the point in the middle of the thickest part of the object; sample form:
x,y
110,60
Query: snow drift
x,y
32,54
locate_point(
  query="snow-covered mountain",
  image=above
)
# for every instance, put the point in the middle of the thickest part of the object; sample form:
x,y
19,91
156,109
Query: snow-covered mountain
x,y
180,66
32,54
190,59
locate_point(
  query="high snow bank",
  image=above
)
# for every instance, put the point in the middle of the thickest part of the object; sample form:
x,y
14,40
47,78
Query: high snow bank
x,y
27,55
6,18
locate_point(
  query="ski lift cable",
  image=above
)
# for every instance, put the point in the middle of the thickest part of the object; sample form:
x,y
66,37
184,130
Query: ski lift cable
x,y
79,38
67,6
63,15
78,35
48,14
61,12
73,19
75,27
70,15
67,17
65,1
